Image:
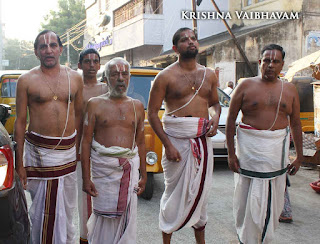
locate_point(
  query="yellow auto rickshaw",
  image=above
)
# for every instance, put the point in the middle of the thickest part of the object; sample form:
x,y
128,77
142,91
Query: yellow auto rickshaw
x,y
305,90
8,83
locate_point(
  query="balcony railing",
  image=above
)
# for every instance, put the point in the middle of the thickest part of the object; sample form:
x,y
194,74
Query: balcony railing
x,y
135,8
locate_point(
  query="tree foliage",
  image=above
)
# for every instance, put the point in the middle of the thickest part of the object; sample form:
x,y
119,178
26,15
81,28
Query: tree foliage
x,y
20,54
69,13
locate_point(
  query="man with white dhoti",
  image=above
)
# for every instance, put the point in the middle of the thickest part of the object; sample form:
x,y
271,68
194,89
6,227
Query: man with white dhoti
x,y
89,63
189,90
113,138
46,154
261,159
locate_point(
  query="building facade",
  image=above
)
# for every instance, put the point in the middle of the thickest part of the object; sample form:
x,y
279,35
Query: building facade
x,y
293,24
140,30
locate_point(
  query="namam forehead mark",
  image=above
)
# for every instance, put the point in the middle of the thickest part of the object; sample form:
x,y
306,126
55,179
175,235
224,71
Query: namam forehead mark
x,y
48,37
92,56
187,34
121,67
273,55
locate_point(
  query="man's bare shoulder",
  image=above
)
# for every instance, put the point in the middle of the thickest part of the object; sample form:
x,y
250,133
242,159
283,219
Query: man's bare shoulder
x,y
211,74
167,73
73,74
29,76
289,86
248,82
96,100
138,104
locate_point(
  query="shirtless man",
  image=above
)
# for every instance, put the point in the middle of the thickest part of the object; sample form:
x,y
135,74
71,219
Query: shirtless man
x,y
46,153
89,63
269,106
113,138
189,90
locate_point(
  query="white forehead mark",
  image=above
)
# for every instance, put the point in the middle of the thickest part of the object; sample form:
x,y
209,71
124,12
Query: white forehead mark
x,y
274,55
121,67
47,38
91,56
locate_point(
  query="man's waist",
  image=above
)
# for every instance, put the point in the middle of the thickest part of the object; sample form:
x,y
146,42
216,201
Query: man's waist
x,y
45,141
264,124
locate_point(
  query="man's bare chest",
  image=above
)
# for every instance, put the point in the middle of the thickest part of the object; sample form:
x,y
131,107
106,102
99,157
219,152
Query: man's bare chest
x,y
114,116
268,100
43,94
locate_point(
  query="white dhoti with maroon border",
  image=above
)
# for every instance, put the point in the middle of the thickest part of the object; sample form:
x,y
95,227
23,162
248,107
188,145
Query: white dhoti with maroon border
x,y
259,188
84,207
52,183
115,174
187,183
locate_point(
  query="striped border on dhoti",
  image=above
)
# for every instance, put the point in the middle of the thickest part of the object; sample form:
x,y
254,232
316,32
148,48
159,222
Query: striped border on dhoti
x,y
49,211
123,191
199,140
50,143
202,127
54,171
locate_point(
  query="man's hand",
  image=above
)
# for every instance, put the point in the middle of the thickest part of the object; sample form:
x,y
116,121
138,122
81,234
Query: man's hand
x,y
172,154
212,126
294,167
233,163
141,185
89,188
23,176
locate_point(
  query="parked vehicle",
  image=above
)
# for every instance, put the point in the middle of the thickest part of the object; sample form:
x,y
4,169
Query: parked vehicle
x,y
305,91
219,141
14,221
8,83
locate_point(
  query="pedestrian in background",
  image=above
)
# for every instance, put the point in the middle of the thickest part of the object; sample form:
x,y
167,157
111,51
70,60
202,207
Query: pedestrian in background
x,y
229,88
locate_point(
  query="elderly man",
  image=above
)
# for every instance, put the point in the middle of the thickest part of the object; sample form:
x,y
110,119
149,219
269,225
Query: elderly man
x,y
229,88
189,90
46,153
113,137
89,63
269,106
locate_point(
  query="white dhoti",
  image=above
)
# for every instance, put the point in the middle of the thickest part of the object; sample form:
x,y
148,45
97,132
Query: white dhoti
x,y
52,183
187,183
84,207
115,174
259,188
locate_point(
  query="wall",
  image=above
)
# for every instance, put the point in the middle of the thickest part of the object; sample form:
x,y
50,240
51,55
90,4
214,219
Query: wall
x,y
173,21
287,34
264,6
141,30
226,73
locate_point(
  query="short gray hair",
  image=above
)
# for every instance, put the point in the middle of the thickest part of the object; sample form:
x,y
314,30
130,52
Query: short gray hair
x,y
113,62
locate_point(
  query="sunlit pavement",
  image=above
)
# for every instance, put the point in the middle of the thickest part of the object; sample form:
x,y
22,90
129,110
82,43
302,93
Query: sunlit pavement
x,y
220,226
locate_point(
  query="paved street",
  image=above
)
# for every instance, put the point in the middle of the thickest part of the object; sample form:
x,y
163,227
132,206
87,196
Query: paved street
x,y
220,227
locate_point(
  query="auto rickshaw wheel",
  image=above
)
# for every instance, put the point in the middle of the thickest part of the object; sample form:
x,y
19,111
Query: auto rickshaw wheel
x,y
148,192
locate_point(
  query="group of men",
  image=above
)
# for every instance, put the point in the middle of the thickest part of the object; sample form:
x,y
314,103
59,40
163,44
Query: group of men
x,y
70,116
